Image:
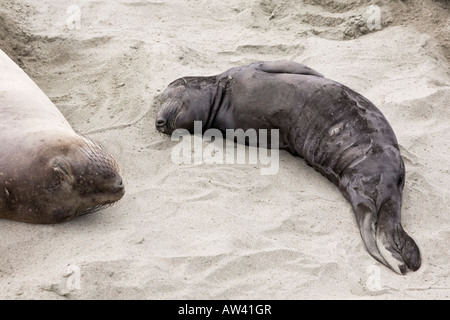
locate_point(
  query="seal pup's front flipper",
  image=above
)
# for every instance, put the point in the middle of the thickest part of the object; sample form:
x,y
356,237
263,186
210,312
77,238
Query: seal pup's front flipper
x,y
286,66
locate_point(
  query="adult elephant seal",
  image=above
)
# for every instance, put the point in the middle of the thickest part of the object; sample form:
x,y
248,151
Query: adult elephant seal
x,y
48,173
337,131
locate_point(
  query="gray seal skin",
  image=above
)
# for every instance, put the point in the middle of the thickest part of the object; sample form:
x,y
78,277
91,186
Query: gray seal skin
x,y
48,173
337,131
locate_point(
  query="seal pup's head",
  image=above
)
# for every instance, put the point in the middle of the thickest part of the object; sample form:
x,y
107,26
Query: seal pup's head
x,y
184,101
68,177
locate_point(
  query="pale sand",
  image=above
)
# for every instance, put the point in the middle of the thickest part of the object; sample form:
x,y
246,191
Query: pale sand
x,y
225,231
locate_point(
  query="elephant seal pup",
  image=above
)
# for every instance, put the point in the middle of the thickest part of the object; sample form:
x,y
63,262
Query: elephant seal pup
x,y
48,173
337,131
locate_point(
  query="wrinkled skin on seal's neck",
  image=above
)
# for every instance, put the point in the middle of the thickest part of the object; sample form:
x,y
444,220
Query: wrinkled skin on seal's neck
x,y
336,130
67,178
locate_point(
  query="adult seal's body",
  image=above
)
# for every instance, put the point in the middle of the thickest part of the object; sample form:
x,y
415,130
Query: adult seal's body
x,y
336,130
48,173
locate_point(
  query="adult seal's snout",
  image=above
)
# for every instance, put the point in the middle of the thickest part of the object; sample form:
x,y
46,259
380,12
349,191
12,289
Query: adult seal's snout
x,y
119,187
337,131
119,184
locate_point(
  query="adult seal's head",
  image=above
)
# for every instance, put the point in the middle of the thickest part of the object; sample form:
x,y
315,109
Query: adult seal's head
x,y
48,173
59,179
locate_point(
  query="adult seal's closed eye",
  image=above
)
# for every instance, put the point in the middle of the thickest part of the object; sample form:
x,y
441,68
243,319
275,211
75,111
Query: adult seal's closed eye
x,y
337,131
48,173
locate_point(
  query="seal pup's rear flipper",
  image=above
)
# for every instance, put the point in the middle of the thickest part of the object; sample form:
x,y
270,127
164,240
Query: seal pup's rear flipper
x,y
367,226
397,248
286,66
383,235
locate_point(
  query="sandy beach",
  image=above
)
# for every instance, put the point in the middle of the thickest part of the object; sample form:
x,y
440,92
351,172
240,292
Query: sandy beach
x,y
226,231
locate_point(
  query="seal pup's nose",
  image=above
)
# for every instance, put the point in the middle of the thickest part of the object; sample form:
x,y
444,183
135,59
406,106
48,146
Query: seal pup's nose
x,y
160,124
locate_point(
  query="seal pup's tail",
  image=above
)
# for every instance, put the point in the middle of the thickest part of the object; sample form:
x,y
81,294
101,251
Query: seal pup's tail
x,y
385,239
397,248
376,202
